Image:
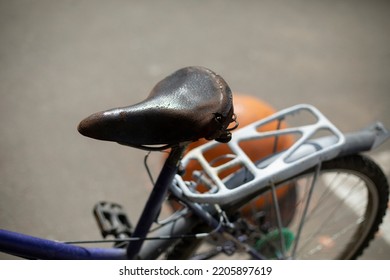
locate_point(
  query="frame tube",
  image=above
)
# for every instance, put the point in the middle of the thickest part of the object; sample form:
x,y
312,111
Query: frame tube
x,y
156,198
31,247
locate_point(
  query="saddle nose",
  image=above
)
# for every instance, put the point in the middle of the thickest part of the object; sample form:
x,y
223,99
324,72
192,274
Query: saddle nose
x,y
102,125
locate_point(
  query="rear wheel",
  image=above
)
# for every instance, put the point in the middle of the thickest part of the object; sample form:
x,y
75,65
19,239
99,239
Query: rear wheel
x,y
338,209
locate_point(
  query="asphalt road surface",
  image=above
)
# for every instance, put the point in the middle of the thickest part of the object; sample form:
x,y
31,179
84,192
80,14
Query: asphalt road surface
x,y
63,60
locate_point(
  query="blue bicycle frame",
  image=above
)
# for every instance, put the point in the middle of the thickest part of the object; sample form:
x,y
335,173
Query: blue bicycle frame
x,y
30,247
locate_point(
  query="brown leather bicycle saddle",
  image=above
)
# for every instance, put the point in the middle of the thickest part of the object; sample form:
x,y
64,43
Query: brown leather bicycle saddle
x,y
190,104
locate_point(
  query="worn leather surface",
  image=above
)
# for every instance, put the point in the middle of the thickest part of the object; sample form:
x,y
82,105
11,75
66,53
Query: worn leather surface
x,y
190,104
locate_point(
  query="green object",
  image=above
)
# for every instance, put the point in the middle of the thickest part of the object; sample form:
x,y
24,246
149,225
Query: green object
x,y
270,244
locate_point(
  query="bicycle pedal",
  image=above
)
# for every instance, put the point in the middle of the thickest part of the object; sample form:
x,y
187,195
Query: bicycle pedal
x,y
112,220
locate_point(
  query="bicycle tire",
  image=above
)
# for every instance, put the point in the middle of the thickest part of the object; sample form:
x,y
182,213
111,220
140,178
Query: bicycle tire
x,y
340,222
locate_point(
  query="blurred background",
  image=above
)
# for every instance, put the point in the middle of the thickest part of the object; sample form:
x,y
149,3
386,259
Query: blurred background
x,y
63,60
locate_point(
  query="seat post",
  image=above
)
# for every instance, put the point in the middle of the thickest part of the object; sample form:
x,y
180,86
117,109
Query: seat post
x,y
156,198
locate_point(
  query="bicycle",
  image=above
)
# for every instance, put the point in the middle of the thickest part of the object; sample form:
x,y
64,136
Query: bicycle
x,y
317,198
